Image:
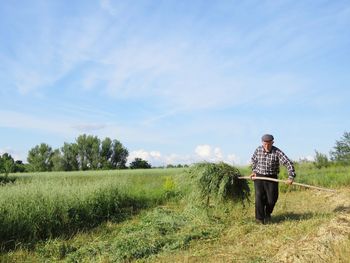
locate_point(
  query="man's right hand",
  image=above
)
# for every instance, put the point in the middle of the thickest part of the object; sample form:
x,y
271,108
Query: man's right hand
x,y
252,176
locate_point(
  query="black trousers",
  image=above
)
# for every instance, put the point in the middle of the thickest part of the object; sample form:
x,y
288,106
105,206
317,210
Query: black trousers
x,y
266,195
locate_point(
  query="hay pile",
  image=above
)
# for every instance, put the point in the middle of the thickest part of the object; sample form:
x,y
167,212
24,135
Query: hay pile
x,y
212,184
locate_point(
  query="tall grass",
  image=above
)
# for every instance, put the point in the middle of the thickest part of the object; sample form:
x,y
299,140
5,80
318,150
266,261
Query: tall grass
x,y
333,176
46,205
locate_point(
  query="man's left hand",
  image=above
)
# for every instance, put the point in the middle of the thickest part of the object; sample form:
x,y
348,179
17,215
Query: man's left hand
x,y
290,181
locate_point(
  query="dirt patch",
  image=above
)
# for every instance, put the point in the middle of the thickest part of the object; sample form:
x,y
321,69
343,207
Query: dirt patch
x,y
318,247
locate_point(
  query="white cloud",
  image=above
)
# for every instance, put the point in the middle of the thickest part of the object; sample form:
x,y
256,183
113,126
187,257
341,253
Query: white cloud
x,y
157,159
208,153
218,154
202,153
155,154
178,159
233,159
152,156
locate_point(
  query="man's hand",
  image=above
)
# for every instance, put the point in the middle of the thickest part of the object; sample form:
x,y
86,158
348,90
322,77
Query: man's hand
x,y
252,176
290,181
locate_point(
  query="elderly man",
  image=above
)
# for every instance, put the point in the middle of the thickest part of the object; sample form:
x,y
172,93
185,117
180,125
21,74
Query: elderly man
x,y
265,163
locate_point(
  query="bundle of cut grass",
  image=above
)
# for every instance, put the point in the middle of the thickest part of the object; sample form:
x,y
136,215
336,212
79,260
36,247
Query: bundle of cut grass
x,y
212,183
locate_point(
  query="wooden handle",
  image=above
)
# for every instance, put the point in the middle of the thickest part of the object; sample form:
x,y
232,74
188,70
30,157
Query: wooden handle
x,y
285,181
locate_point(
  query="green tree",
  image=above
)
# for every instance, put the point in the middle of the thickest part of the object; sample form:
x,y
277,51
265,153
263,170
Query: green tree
x,y
88,151
20,167
341,153
139,163
321,160
70,157
119,155
40,158
7,164
106,154
57,161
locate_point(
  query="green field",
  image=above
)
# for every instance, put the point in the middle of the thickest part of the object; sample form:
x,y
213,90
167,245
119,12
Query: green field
x,y
147,216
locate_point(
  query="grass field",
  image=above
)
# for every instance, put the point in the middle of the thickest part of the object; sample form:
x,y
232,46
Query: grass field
x,y
143,216
40,206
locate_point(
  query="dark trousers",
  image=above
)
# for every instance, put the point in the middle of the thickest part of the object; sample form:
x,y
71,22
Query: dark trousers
x,y
266,195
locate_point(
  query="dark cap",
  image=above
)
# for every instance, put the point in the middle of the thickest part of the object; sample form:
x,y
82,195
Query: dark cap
x,y
267,138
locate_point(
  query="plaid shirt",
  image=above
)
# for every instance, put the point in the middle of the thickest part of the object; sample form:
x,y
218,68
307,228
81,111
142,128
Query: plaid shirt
x,y
267,163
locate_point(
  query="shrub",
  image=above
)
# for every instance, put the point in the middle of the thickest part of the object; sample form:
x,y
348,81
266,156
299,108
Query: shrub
x,y
321,160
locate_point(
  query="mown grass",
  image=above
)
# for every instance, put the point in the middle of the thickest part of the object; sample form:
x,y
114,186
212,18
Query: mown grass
x,y
298,216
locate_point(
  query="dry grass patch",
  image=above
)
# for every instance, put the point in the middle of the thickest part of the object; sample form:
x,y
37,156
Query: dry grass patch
x,y
304,223
319,247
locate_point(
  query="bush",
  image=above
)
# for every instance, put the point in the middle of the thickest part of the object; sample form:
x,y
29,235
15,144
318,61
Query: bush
x,y
321,160
138,163
341,151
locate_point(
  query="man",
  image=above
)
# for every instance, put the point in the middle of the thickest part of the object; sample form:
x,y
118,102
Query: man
x,y
265,163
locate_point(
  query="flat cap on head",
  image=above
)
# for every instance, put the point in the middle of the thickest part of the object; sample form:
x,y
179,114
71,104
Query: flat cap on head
x,y
267,138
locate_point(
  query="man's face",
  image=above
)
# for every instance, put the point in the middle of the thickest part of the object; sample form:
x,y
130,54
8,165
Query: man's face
x,y
267,145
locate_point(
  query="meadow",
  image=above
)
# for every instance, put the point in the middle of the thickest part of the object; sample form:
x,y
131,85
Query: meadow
x,y
45,205
151,216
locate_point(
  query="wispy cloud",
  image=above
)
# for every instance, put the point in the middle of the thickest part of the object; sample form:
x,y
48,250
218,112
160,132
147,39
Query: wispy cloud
x,y
55,51
88,127
19,120
65,127
62,127
107,5
177,70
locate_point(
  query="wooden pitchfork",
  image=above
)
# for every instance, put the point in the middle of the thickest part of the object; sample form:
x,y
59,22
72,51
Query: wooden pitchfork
x,y
286,182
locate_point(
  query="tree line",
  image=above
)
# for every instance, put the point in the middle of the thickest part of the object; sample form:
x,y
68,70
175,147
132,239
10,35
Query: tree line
x,y
86,153
90,153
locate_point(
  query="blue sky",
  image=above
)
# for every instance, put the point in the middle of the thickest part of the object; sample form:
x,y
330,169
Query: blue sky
x,y
175,81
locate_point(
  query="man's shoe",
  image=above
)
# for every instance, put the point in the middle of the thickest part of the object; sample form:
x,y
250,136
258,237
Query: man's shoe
x,y
267,218
259,221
